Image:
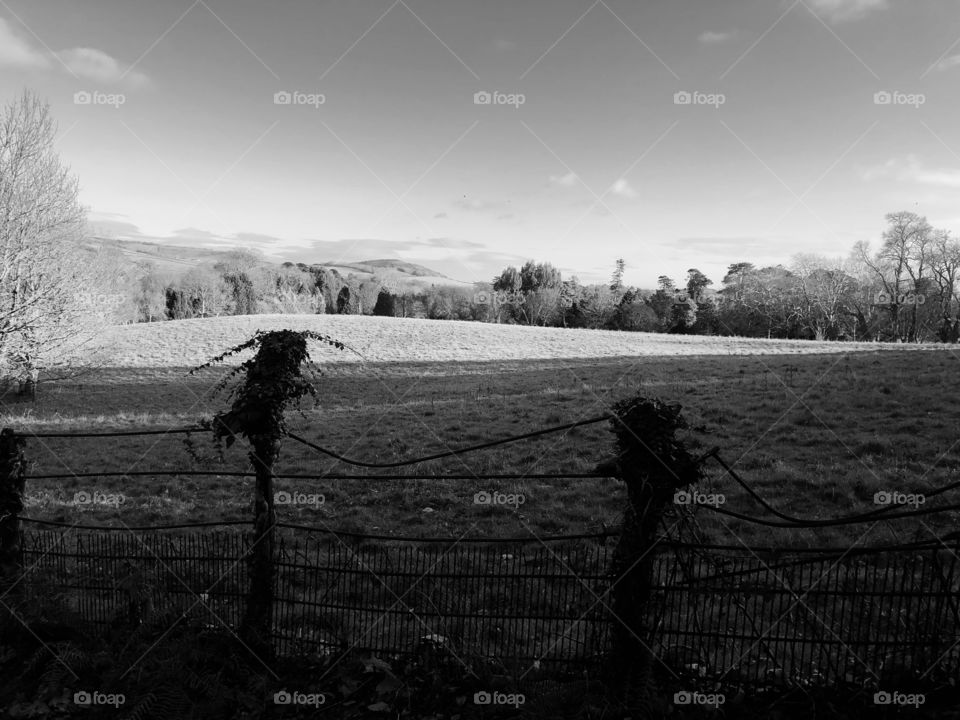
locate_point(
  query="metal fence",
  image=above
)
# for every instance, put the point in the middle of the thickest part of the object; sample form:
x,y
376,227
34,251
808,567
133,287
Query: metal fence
x,y
722,614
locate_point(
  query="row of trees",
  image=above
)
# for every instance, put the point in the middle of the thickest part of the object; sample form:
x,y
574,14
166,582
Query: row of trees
x,y
906,290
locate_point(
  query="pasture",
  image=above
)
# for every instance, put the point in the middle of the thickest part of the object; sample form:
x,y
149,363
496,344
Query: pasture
x,y
815,428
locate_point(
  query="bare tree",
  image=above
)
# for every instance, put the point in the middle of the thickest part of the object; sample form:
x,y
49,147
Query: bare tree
x,y
50,303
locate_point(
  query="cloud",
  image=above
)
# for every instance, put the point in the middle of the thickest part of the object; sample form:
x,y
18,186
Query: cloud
x,y
97,65
714,38
440,216
948,62
911,169
622,188
568,180
15,51
498,206
837,11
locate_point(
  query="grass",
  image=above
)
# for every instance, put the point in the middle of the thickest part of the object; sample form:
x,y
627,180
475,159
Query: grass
x,y
816,433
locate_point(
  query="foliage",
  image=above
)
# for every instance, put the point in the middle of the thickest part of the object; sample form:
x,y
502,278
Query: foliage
x,y
274,377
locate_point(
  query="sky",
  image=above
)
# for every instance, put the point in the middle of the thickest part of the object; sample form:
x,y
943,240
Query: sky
x,y
467,136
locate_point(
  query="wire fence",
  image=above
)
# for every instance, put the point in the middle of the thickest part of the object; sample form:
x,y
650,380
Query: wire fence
x,y
720,614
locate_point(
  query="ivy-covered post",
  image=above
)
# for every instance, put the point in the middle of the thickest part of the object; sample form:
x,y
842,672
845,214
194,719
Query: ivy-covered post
x,y
653,464
274,377
12,468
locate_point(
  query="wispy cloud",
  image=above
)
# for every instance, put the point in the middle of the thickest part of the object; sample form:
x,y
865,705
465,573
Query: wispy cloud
x,y
20,51
99,66
948,62
16,51
568,180
837,11
623,188
912,169
714,38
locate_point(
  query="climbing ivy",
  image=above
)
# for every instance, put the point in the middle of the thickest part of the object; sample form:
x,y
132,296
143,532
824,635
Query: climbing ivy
x,y
274,378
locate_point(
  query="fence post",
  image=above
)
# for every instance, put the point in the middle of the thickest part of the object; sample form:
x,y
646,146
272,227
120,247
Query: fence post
x,y
258,620
653,464
12,481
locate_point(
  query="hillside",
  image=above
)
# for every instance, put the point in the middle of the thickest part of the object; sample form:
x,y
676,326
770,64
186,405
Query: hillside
x,y
177,260
181,343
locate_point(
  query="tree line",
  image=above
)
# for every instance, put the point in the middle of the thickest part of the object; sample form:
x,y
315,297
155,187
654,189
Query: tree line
x,y
905,290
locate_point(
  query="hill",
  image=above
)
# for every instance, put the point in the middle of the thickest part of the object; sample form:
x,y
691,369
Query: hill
x,y
183,343
177,260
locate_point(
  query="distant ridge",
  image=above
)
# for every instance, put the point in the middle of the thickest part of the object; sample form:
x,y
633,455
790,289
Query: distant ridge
x,y
177,260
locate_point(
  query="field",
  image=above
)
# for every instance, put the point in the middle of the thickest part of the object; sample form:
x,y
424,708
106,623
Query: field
x,y
816,428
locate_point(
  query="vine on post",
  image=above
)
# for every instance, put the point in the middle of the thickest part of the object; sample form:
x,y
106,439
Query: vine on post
x,y
653,463
274,378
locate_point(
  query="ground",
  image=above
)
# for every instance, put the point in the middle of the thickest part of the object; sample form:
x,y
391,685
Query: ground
x,y
816,428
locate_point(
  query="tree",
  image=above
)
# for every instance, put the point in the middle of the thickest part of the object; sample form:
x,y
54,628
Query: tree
x,y
616,280
50,301
697,282
901,267
386,304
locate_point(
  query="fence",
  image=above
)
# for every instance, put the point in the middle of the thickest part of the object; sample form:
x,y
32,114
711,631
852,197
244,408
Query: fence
x,y
717,614
722,614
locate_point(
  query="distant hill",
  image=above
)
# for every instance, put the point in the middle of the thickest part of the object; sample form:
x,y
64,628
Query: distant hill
x,y
177,260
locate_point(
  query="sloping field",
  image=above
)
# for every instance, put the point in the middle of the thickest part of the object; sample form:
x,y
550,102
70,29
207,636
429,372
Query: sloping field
x,y
182,343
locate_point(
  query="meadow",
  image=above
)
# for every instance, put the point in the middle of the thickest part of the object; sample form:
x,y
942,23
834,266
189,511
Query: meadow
x,y
815,428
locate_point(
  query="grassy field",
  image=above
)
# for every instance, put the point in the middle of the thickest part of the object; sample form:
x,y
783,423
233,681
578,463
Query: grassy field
x,y
816,428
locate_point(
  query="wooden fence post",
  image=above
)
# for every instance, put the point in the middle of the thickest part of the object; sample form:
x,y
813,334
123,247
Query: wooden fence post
x,y
12,467
653,464
258,619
